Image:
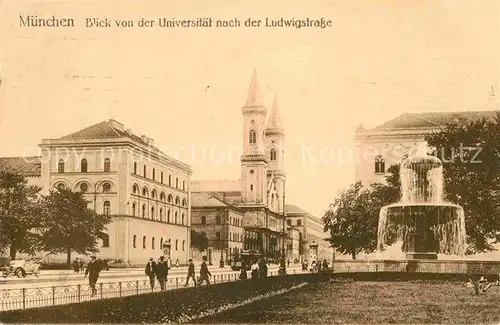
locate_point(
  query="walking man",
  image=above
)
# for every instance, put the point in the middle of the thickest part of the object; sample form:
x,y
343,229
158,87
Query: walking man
x,y
204,272
162,272
76,265
191,273
151,272
93,270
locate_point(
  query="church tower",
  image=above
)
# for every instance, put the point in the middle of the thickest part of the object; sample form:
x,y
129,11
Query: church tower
x,y
275,151
254,160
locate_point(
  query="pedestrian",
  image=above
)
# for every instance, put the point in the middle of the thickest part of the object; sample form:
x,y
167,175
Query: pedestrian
x,y
254,271
161,272
243,272
288,262
191,273
82,264
76,265
151,272
262,268
177,263
204,272
93,270
325,265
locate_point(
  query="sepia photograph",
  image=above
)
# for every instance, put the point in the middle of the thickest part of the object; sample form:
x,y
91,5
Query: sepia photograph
x,y
249,162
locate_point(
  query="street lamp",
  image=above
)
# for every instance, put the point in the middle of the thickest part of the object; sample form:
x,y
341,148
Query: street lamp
x,y
221,263
282,269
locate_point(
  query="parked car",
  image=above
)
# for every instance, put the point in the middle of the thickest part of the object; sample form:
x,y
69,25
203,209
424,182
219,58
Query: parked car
x,y
21,268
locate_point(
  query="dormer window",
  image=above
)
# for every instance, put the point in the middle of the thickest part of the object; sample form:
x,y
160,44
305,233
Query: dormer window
x,y
379,165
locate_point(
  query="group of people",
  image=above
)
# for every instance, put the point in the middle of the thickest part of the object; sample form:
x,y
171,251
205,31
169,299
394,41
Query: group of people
x,y
258,270
78,265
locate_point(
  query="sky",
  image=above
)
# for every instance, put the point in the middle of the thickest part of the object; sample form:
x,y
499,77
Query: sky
x,y
185,87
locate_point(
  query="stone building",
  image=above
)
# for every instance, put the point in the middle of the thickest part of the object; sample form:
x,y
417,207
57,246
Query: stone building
x,y
125,176
387,144
220,222
259,194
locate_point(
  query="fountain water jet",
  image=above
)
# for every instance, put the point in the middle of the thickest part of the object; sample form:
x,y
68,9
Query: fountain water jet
x,y
422,220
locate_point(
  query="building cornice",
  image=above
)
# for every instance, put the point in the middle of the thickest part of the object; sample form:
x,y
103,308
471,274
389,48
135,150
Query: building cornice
x,y
395,133
151,152
258,157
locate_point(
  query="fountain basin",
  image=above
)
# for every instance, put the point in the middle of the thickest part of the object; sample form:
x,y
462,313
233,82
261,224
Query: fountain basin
x,y
425,229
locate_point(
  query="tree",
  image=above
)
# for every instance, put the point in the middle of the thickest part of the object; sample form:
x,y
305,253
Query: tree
x,y
19,214
471,161
70,225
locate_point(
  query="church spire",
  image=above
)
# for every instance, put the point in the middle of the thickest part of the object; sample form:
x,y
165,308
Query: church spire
x,y
274,121
254,98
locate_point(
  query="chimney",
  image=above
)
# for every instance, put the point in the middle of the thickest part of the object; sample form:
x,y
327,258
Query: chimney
x,y
144,138
116,125
151,142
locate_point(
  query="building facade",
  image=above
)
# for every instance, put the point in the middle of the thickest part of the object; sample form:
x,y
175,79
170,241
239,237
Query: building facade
x,y
125,176
387,144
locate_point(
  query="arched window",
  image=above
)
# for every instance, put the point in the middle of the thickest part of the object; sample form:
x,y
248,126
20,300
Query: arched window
x,y
107,165
161,177
135,189
379,164
134,241
83,165
144,242
144,171
177,182
154,172
161,243
153,243
183,185
153,213
251,187
60,166
203,220
162,196
169,180
184,202
169,198
182,219
175,218
252,137
177,244
183,245
107,208
161,214
153,194
144,191
299,222
217,220
105,239
133,209
135,168
168,216
177,200
144,211
273,154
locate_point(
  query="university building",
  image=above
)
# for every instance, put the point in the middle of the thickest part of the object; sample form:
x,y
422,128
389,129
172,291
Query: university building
x,y
125,176
387,144
248,214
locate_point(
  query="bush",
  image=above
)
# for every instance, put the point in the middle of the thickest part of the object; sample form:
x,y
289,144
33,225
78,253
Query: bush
x,y
156,307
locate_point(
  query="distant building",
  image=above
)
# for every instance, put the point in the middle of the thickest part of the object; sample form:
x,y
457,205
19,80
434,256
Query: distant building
x,y
259,195
387,144
125,176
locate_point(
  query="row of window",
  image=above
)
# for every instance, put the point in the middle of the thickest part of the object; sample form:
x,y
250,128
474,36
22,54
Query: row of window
x,y
289,222
154,196
219,221
232,236
252,139
153,243
83,165
153,177
160,216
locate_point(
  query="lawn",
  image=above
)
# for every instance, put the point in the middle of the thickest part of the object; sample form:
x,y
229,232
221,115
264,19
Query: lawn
x,y
369,303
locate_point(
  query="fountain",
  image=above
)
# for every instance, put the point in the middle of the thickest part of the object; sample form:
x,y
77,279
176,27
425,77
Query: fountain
x,y
425,224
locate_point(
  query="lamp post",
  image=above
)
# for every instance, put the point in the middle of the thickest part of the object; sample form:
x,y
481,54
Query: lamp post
x,y
282,269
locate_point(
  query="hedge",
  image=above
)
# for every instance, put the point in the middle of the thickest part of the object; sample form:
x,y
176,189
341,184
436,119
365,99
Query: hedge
x,y
156,307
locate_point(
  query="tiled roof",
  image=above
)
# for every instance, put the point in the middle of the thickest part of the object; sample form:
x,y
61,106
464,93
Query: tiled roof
x,y
204,199
26,166
425,120
294,209
233,185
102,130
